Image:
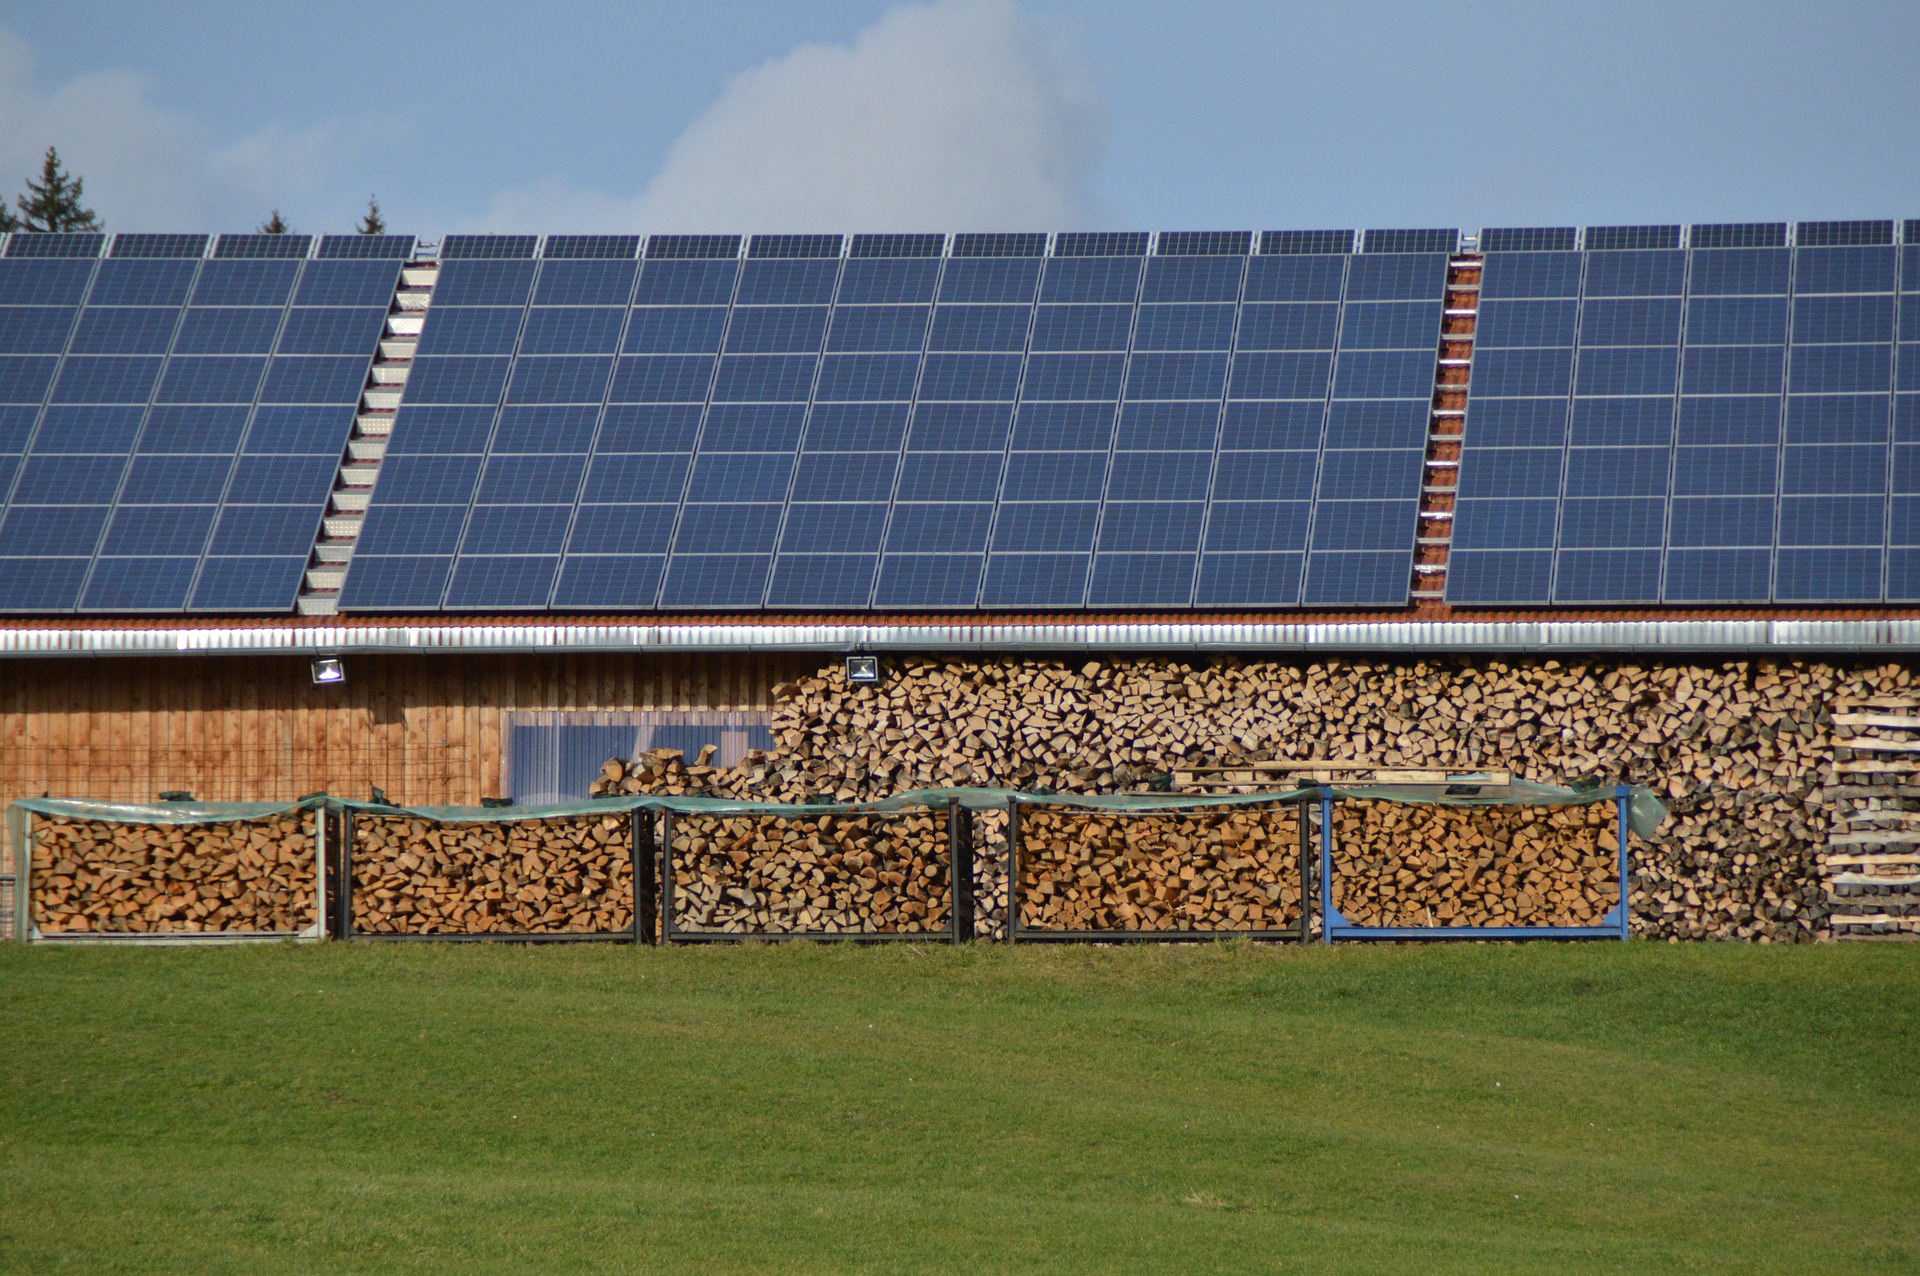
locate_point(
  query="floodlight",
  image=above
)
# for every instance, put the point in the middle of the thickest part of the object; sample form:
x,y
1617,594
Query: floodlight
x,y
328,669
863,669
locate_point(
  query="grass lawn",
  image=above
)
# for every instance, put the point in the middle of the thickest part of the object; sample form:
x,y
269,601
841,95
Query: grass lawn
x,y
1599,1107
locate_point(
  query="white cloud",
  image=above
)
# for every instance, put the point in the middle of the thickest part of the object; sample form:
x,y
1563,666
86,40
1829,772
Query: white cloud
x,y
146,168
959,115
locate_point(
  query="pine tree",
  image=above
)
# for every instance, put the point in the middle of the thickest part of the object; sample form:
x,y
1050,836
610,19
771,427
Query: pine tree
x,y
8,221
373,223
275,225
52,204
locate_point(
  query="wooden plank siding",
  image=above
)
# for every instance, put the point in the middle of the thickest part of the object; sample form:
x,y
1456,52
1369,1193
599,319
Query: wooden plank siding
x,y
427,728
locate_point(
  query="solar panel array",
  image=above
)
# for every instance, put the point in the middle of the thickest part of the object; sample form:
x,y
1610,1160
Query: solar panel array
x,y
173,411
1736,420
1714,414
911,421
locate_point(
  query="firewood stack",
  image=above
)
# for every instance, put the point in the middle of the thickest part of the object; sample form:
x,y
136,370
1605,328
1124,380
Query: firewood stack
x,y
1739,749
1400,864
990,874
816,874
1219,869
666,773
94,876
413,876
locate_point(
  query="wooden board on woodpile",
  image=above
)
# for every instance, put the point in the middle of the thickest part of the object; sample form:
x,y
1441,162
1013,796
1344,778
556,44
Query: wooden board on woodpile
x,y
235,877
563,876
1405,864
811,875
1224,869
1281,777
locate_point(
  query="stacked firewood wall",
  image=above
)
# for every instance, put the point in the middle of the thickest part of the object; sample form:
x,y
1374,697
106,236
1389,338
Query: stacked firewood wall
x,y
415,876
234,877
1739,749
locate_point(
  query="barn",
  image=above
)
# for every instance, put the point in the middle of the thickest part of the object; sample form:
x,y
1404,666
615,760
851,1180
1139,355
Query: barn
x,y
462,520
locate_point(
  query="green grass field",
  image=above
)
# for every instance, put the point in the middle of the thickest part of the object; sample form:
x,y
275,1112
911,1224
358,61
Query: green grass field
x,y
1602,1107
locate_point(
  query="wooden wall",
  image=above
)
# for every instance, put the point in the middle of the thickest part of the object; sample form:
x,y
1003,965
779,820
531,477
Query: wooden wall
x,y
426,728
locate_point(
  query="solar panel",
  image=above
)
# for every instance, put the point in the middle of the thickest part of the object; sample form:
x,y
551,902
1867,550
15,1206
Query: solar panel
x,y
1100,244
141,282
1000,245
159,246
24,244
595,247
248,583
488,246
484,282
794,246
897,245
175,438
35,329
1528,239
1738,235
366,247
281,246
1409,241
1708,426
1831,234
684,246
1627,238
1203,243
245,283
1288,242
347,283
588,282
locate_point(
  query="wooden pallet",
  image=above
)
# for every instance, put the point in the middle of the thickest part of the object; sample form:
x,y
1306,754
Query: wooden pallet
x,y
1872,867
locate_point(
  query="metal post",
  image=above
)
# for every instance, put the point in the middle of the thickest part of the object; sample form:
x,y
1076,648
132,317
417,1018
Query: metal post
x,y
346,873
1306,858
320,871
1621,795
1013,869
1326,866
649,879
666,877
633,852
960,868
23,881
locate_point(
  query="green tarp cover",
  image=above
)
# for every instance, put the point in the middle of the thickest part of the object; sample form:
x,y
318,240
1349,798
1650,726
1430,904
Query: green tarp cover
x,y
1644,811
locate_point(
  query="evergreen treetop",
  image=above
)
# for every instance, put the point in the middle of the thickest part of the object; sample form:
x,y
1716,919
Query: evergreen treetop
x,y
275,225
373,223
52,205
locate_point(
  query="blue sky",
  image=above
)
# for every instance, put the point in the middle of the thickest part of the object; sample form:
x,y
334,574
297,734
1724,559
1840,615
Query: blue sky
x,y
966,114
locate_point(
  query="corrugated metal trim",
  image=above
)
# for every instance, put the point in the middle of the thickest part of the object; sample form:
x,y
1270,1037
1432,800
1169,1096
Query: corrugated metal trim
x,y
1413,636
1426,612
